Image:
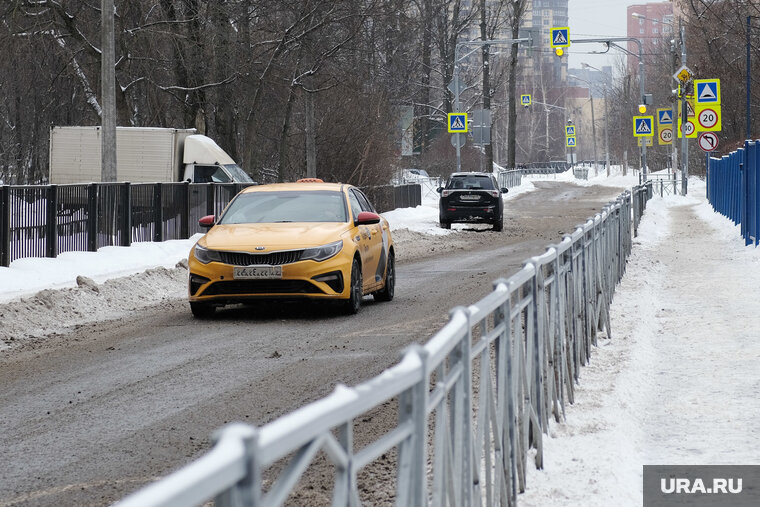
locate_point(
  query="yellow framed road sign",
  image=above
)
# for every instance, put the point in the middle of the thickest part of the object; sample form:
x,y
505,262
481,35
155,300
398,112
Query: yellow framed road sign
x,y
643,126
570,141
560,37
691,129
525,100
664,134
644,141
707,91
457,123
708,118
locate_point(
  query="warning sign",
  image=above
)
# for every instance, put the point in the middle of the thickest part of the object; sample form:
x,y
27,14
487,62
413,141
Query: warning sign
x,y
707,91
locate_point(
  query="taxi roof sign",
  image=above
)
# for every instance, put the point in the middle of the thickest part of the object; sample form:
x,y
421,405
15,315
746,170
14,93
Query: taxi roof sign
x,y
561,37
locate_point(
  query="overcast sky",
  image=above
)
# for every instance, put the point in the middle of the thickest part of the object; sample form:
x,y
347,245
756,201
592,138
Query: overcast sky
x,y
595,18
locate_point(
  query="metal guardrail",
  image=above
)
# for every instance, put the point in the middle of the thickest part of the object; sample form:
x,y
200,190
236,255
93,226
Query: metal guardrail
x,y
509,179
665,184
471,402
45,220
733,188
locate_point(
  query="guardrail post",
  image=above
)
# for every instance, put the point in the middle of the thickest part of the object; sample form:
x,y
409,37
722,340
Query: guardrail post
x,y
247,492
92,217
125,220
184,231
411,475
210,208
51,226
5,225
158,214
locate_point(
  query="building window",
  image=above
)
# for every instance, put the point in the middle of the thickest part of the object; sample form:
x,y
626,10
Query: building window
x,y
654,30
641,21
641,31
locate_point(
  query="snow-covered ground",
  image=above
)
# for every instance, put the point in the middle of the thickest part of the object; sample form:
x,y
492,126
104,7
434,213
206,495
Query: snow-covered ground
x,y
675,384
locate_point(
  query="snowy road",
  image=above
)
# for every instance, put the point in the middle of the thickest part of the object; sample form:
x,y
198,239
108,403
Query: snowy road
x,y
98,410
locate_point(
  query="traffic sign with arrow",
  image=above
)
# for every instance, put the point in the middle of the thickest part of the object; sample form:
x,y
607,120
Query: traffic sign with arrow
x,y
708,141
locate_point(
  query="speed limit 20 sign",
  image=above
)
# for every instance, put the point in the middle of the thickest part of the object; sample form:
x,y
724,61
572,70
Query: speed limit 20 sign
x,y
666,135
708,118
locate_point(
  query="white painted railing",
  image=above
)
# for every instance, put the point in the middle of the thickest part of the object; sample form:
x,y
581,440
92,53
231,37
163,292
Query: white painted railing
x,y
471,402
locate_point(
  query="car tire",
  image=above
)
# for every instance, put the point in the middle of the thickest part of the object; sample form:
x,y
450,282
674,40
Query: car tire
x,y
498,226
386,293
354,302
445,225
202,310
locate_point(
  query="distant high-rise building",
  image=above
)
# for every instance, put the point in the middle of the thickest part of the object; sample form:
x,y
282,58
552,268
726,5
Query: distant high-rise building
x,y
652,25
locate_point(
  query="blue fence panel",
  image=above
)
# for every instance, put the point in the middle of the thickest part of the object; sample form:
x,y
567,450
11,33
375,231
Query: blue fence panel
x,y
733,184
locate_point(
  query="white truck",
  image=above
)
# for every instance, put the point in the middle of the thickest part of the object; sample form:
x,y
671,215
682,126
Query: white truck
x,y
143,155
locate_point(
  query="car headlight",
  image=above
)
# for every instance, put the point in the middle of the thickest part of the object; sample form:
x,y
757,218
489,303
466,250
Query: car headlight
x,y
322,253
204,255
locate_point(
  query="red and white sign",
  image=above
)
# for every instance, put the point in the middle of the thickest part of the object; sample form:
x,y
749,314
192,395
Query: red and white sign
x,y
708,141
666,135
688,128
708,118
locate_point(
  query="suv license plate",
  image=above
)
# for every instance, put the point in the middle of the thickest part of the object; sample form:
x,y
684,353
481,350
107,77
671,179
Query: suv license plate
x,y
257,272
470,197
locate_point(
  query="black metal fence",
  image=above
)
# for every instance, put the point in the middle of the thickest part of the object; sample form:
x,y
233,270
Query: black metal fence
x,y
46,220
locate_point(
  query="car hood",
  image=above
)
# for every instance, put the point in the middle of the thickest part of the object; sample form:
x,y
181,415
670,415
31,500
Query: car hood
x,y
270,237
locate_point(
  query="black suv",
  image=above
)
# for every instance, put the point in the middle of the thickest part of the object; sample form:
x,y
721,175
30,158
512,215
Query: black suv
x,y
471,197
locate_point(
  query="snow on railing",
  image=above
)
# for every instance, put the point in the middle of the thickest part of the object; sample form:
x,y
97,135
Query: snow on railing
x,y
470,403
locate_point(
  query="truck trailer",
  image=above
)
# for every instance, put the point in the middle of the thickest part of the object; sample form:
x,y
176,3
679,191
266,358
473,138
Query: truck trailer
x,y
143,155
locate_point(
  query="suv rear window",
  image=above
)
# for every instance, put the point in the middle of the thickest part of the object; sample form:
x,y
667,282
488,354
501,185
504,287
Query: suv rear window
x,y
470,182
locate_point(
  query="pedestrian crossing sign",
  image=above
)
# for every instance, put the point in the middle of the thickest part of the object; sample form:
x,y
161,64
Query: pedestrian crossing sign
x,y
570,141
561,37
525,100
570,130
642,126
707,91
457,123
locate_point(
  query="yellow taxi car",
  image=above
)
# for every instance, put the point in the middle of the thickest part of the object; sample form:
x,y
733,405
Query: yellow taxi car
x,y
307,239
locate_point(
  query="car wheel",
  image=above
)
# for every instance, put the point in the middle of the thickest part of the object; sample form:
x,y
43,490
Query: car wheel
x,y
445,225
498,225
386,293
202,310
354,301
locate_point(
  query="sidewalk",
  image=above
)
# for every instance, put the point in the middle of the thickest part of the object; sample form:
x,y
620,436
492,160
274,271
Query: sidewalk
x,y
678,381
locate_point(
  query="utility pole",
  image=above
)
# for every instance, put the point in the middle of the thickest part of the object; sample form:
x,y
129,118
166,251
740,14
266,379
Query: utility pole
x,y
593,132
673,144
684,119
108,93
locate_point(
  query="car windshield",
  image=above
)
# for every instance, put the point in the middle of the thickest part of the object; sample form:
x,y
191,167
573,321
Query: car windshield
x,y
279,207
470,182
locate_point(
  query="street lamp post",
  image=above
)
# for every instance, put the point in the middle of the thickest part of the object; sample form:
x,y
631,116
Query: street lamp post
x,y
593,120
606,121
457,58
749,76
684,139
610,41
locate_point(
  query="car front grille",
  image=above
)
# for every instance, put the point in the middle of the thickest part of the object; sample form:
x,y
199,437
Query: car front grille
x,y
249,259
238,287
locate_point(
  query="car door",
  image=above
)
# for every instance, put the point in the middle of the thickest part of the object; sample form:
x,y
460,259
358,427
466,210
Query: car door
x,y
368,237
378,242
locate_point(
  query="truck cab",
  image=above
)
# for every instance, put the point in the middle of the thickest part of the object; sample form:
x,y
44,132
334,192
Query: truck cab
x,y
206,162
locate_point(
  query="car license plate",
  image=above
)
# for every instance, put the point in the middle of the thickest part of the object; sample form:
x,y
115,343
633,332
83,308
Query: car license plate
x,y
470,197
257,272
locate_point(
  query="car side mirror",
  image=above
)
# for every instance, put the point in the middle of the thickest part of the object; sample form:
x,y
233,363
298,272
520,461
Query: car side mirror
x,y
439,189
504,190
367,218
207,221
